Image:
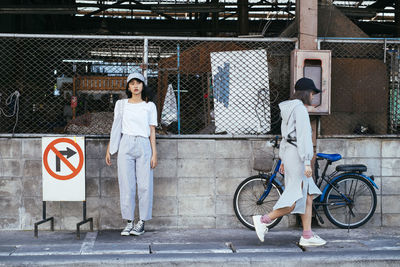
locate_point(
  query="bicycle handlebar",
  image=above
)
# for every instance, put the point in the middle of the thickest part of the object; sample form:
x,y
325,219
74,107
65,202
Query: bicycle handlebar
x,y
275,142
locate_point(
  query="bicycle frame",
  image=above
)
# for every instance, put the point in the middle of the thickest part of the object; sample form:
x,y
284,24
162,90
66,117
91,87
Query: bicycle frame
x,y
330,180
276,167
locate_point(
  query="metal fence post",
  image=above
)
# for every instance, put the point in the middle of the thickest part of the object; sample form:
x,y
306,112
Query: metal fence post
x,y
145,58
179,91
384,51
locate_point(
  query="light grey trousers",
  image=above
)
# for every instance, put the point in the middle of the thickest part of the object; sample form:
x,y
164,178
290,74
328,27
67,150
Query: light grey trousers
x,y
134,155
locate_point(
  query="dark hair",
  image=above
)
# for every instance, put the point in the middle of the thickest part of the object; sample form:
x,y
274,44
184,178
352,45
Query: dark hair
x,y
146,92
304,96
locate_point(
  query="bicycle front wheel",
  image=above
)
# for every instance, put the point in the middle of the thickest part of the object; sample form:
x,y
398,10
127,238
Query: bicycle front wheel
x,y
350,202
246,200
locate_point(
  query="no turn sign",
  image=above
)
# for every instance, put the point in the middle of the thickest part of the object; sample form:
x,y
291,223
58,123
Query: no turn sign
x,y
63,168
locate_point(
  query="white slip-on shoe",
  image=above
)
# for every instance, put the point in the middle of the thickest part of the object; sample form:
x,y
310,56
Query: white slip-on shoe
x,y
314,241
261,228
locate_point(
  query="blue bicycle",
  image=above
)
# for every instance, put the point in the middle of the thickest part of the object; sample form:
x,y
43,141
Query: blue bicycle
x,y
348,196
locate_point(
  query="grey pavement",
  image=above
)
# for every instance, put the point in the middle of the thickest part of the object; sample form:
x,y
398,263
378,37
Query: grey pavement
x,y
200,247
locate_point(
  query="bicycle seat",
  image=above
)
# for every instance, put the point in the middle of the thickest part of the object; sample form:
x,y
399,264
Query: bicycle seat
x,y
331,157
351,168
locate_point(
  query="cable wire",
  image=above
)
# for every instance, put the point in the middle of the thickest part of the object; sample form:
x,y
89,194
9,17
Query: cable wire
x,y
15,112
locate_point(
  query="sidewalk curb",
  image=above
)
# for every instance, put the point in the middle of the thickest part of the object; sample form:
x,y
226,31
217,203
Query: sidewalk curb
x,y
381,258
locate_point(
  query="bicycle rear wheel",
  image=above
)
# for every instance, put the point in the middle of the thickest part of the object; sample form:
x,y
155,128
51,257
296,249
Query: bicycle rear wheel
x,y
360,204
245,200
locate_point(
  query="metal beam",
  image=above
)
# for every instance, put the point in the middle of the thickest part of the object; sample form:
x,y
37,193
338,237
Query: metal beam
x,y
220,8
359,3
358,12
382,4
38,9
215,19
163,27
138,3
105,7
199,8
397,17
243,20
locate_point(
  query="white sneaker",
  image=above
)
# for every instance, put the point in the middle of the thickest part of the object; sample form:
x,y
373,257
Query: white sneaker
x,y
312,242
261,228
127,229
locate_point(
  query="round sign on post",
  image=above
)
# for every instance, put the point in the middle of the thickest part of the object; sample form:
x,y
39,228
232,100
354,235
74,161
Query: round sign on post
x,y
63,168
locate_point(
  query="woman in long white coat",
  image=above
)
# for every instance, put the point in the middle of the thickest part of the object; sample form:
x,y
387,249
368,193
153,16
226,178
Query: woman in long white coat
x,y
296,153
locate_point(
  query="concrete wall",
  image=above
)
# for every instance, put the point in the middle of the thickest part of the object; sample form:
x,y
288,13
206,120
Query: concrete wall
x,y
194,182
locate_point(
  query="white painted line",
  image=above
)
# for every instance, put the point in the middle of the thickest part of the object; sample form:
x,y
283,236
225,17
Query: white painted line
x,y
267,250
88,243
194,251
343,241
386,248
43,252
117,251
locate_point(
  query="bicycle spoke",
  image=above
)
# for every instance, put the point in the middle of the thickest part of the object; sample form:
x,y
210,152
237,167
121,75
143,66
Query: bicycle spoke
x,y
349,190
335,206
251,195
355,189
351,211
362,190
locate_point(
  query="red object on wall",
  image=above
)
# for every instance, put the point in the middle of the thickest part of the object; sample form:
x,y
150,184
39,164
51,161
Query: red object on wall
x,y
74,102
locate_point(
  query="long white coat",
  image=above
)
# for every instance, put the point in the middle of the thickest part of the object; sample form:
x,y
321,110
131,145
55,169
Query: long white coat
x,y
296,124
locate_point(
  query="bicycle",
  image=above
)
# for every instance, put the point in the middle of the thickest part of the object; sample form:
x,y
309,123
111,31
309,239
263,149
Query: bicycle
x,y
348,196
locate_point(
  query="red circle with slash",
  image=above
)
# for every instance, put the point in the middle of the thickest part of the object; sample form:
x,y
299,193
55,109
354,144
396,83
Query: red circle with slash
x,y
52,147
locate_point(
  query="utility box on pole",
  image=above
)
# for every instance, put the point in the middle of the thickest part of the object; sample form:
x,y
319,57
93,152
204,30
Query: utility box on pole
x,y
315,65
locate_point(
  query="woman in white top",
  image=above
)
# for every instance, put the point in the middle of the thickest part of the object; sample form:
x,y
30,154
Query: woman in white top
x,y
133,135
296,152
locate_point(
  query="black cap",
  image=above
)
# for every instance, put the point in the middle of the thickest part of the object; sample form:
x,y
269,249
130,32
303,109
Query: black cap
x,y
304,84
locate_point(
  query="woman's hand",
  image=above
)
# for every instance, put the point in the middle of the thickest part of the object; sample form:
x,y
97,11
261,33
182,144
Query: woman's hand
x,y
282,169
108,158
108,155
153,161
308,171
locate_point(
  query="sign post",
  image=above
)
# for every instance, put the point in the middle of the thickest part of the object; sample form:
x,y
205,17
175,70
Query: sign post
x,y
63,171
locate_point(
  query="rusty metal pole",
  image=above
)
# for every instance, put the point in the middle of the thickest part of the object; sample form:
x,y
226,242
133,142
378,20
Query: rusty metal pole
x,y
243,19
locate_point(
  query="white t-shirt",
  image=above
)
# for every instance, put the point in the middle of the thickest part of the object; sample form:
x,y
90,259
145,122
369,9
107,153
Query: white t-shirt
x,y
137,118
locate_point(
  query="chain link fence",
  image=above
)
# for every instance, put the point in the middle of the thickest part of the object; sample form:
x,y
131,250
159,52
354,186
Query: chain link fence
x,y
392,58
364,97
70,84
